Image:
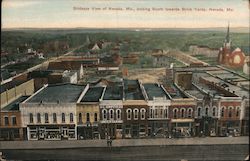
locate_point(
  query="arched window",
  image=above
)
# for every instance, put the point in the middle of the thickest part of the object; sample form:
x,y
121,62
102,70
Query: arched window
x,y
31,118
136,111
38,118
175,113
54,118
80,117
222,112
237,112
230,112
143,113
165,113
63,117
118,114
96,117
190,112
87,117
206,111
182,113
129,114
104,114
199,112
71,117
151,113
214,111
111,113
46,116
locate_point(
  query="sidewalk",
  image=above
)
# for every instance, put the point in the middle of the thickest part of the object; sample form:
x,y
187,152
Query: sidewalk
x,y
121,143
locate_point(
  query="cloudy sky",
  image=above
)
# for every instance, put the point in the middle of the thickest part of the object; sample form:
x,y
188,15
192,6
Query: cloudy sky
x,y
70,13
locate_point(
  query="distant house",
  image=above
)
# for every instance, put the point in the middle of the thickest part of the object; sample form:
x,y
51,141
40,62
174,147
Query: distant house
x,y
40,56
246,66
95,46
203,50
160,60
69,77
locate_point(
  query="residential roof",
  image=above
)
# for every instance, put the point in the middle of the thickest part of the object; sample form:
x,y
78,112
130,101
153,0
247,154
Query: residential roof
x,y
66,93
14,105
114,92
155,91
93,94
132,90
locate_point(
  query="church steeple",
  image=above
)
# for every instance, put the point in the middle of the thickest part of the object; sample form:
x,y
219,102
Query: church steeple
x,y
228,36
227,43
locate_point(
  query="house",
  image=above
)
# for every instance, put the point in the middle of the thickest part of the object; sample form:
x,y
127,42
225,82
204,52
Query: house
x,y
11,121
246,66
229,56
50,113
88,113
69,77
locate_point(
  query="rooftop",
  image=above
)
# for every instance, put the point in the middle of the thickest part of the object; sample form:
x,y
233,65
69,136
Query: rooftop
x,y
155,91
66,93
14,105
93,94
113,92
132,90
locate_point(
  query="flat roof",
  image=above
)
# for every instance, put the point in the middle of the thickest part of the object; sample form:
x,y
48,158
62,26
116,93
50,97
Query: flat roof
x,y
93,94
154,90
195,92
66,93
14,105
132,90
113,92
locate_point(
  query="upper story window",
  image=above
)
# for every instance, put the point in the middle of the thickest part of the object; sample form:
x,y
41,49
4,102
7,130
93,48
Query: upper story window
x,y
46,116
175,113
80,117
129,111
199,112
166,113
230,112
63,117
143,113
237,112
190,113
13,120
182,113
38,117
87,117
104,114
222,112
118,114
136,111
206,111
111,113
156,113
71,117
214,111
151,113
31,118
6,121
96,117
54,118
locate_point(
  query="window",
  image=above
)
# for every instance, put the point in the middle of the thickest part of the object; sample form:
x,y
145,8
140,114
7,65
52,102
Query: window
x,y
230,112
118,114
87,117
136,111
111,112
143,112
71,117
175,113
199,112
54,118
182,113
214,110
38,118
156,113
161,113
31,118
96,117
190,113
222,112
206,112
13,120
46,118
80,118
63,117
151,113
128,114
166,113
6,121
237,112
104,112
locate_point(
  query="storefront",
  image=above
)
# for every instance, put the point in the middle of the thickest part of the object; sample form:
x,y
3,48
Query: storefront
x,y
182,127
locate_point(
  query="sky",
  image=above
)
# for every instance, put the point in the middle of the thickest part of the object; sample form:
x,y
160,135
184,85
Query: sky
x,y
74,13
